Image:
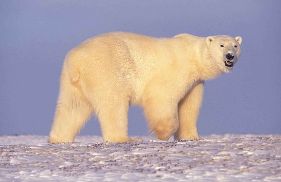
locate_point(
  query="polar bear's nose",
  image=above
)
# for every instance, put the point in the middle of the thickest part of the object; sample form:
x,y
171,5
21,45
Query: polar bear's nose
x,y
229,56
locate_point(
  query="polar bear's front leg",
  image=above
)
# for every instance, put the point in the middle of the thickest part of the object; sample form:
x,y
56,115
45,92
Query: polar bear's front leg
x,y
162,117
188,113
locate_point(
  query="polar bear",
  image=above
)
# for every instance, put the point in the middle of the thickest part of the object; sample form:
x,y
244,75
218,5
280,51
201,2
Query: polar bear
x,y
106,74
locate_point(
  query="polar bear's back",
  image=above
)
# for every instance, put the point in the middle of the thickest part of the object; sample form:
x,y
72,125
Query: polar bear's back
x,y
121,50
125,59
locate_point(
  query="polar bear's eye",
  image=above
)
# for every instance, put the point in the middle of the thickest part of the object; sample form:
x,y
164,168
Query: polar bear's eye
x,y
222,45
235,46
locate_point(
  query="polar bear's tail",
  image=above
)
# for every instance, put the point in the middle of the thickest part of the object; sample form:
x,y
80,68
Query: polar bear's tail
x,y
73,74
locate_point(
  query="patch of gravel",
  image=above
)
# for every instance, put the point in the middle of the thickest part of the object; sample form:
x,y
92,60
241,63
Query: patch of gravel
x,y
212,158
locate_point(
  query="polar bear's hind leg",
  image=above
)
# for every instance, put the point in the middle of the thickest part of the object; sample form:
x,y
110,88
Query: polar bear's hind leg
x,y
72,111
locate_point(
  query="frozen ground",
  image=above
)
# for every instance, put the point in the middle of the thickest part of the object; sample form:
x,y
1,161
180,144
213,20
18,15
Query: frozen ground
x,y
213,158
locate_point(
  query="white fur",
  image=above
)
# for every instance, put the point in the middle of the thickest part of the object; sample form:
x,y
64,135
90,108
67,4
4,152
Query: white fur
x,y
107,73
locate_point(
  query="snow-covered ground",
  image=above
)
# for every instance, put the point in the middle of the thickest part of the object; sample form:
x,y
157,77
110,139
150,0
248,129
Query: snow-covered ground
x,y
213,158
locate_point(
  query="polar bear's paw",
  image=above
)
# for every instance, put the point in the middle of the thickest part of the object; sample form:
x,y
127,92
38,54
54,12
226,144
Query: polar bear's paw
x,y
57,140
123,140
189,137
135,140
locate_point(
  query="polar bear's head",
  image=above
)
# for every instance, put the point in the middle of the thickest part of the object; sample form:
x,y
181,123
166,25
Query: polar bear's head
x,y
224,51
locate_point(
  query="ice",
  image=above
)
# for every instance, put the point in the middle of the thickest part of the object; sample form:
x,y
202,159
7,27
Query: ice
x,y
212,158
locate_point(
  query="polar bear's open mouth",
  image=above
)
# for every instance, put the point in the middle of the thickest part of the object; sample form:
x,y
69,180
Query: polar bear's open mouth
x,y
228,64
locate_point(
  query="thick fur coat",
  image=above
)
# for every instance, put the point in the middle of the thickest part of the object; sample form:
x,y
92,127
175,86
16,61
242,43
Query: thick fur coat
x,y
165,76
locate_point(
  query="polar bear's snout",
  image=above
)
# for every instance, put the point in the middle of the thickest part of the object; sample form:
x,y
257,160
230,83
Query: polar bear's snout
x,y
230,59
229,56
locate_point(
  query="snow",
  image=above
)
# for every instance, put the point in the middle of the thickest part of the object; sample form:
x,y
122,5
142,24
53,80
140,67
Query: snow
x,y
212,158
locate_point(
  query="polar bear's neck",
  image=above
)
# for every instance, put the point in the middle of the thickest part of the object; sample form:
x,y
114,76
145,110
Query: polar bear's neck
x,y
206,67
196,52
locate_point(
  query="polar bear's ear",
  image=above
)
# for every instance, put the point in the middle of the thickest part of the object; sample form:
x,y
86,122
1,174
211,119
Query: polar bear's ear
x,y
209,40
239,39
